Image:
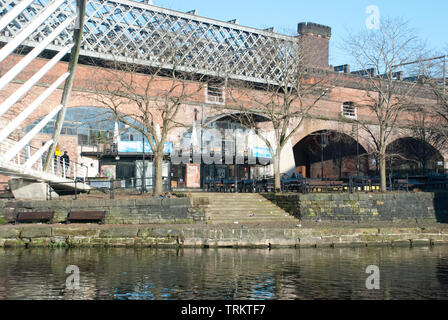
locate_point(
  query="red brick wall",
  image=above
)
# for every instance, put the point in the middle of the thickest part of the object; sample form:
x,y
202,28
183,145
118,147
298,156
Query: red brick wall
x,y
66,143
316,52
87,78
3,182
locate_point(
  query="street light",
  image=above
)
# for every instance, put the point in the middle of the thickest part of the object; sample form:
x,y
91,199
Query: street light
x,y
357,151
323,144
143,166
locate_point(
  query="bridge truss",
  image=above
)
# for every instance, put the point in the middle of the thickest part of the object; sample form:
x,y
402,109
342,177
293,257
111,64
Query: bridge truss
x,y
117,30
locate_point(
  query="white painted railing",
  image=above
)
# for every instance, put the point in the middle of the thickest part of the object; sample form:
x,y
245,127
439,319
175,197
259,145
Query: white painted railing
x,y
39,25
30,160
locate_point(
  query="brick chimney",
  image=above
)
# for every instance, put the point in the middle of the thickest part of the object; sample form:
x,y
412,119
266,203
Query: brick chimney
x,y
315,38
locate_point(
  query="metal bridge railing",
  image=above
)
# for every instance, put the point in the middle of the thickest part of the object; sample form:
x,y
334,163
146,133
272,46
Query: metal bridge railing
x,y
39,25
30,159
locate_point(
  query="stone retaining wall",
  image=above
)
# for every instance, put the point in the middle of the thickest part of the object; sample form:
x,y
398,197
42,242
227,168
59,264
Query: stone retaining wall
x,y
29,236
365,207
140,211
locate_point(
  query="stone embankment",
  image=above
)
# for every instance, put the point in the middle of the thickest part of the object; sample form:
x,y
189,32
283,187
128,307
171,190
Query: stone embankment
x,y
95,236
239,221
135,211
362,207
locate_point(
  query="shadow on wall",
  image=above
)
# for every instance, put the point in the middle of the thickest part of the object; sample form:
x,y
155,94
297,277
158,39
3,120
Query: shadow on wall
x,y
441,206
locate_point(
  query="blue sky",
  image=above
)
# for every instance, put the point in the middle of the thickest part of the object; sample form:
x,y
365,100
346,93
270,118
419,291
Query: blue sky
x,y
429,18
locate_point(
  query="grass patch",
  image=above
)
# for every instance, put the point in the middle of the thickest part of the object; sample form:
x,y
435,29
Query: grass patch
x,y
3,220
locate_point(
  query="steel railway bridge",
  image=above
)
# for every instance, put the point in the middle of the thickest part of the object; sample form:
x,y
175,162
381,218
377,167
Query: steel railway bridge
x,y
112,30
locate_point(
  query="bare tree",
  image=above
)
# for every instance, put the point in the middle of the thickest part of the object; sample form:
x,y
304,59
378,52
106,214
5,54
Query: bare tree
x,y
381,54
156,96
441,111
430,139
436,78
291,90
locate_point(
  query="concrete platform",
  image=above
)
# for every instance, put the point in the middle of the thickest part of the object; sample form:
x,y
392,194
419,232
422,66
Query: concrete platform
x,y
28,183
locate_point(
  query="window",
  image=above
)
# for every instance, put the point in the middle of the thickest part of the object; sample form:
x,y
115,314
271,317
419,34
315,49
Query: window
x,y
349,110
92,125
215,94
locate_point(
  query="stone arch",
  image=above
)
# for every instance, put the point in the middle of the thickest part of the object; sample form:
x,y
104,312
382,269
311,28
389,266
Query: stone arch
x,y
330,154
217,117
313,125
407,153
231,117
42,112
99,117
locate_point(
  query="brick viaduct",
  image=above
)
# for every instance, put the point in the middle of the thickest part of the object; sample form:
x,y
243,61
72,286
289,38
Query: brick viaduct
x,y
326,116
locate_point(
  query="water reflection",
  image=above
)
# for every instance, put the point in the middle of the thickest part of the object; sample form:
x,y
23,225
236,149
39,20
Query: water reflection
x,y
419,273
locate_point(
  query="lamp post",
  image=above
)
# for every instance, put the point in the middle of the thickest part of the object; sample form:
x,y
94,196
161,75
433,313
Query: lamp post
x,y
357,151
143,166
322,146
236,167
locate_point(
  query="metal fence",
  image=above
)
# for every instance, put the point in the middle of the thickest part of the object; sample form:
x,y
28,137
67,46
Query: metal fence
x,y
351,184
107,187
110,188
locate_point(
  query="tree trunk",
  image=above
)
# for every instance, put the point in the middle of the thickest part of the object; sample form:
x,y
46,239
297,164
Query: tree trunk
x,y
158,180
277,173
382,168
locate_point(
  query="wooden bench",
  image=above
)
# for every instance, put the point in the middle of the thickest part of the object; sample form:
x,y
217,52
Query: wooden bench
x,y
86,217
30,217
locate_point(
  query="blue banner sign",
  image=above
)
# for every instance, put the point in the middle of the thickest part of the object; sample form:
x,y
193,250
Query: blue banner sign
x,y
137,147
258,152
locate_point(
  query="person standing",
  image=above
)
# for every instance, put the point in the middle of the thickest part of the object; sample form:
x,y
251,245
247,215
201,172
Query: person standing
x,y
65,162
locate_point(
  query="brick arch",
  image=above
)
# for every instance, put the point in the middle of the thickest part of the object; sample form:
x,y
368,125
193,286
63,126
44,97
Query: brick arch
x,y
311,126
215,117
79,98
440,152
340,158
411,137
41,113
401,134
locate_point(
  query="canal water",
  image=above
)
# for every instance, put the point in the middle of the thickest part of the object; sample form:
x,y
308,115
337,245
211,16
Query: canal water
x,y
195,274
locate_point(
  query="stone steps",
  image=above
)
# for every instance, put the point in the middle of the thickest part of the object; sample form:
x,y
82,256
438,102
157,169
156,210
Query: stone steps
x,y
243,215
228,208
236,218
246,213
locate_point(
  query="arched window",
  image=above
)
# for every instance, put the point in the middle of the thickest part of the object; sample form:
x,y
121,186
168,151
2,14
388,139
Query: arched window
x,y
92,125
